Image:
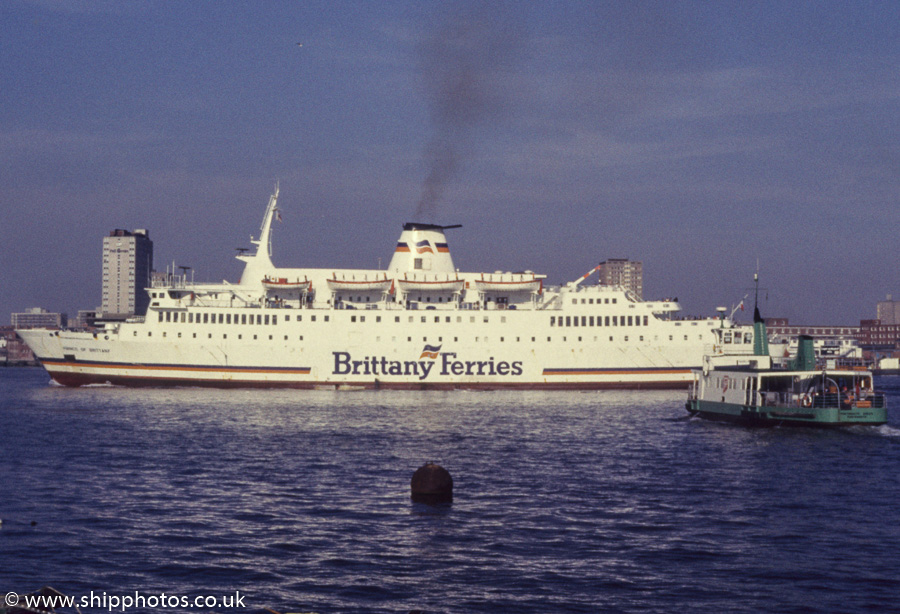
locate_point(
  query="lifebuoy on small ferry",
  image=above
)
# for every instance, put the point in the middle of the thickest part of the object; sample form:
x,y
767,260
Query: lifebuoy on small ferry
x,y
806,401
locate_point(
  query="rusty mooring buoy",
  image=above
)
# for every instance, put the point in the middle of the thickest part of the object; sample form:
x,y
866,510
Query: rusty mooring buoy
x,y
432,484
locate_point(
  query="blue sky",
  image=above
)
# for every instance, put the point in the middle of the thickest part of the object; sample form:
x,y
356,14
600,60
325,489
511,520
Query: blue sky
x,y
697,137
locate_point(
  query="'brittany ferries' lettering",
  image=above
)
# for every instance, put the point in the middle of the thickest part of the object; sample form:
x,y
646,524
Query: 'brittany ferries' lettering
x,y
375,365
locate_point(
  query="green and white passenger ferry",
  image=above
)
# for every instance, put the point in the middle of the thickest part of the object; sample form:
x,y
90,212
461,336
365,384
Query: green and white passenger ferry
x,y
754,390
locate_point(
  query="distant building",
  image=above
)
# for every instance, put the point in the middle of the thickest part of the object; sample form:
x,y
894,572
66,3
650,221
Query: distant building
x,y
625,273
127,265
888,311
12,349
39,318
781,327
86,318
870,334
878,335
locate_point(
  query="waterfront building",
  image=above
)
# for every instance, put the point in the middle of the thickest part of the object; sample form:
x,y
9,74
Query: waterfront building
x,y
37,317
876,334
780,327
86,318
624,273
13,350
127,265
888,311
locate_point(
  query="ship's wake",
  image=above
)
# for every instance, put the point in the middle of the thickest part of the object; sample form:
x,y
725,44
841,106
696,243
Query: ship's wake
x,y
886,430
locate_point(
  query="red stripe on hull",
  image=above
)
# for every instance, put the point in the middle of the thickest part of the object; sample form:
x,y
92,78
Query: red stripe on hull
x,y
84,379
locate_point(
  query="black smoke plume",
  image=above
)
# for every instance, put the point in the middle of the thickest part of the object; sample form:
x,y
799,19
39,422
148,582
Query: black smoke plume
x,y
462,64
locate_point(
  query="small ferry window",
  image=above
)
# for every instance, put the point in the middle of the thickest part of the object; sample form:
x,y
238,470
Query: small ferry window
x,y
614,301
287,318
630,323
228,318
552,320
645,320
243,318
160,316
727,338
266,320
353,318
417,263
221,316
326,318
274,320
591,321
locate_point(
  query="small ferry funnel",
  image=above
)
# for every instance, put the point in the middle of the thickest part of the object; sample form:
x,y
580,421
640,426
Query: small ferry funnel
x,y
806,355
422,248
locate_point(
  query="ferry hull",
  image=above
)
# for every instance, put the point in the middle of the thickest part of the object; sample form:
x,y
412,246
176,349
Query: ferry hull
x,y
134,375
787,416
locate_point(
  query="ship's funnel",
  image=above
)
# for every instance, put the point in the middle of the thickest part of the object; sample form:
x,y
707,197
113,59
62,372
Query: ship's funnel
x,y
806,355
422,248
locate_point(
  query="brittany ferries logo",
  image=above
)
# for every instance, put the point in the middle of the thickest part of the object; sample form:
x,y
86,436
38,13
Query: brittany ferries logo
x,y
345,364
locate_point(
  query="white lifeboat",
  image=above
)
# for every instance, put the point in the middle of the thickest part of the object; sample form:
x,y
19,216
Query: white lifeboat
x,y
282,283
510,283
377,284
450,284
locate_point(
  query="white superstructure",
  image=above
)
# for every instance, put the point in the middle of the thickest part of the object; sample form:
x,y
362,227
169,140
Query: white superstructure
x,y
419,323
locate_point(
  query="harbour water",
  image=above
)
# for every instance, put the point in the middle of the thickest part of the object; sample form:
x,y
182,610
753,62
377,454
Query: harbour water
x,y
563,502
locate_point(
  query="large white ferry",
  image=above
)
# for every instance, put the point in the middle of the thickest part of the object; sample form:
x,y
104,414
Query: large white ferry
x,y
418,324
